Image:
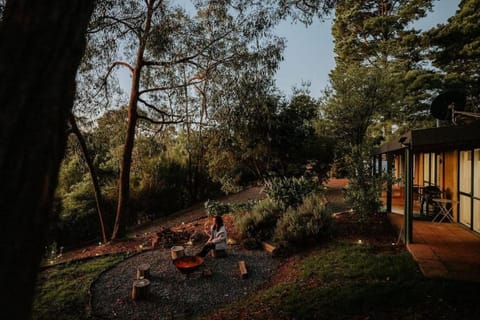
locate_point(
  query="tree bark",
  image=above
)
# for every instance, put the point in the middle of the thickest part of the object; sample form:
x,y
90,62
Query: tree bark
x,y
96,185
119,229
41,48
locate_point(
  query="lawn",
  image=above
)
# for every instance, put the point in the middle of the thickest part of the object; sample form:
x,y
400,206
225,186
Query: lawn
x,y
353,281
340,279
63,291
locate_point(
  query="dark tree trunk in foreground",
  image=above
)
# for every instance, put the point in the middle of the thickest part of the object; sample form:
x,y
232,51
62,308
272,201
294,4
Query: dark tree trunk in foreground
x,y
42,44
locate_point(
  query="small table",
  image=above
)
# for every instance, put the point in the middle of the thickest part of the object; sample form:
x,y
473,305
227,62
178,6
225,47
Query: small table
x,y
445,209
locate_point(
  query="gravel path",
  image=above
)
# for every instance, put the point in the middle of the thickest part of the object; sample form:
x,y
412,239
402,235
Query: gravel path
x,y
173,294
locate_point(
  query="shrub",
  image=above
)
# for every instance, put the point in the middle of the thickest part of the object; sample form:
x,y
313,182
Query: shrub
x,y
364,195
310,221
260,222
288,192
216,208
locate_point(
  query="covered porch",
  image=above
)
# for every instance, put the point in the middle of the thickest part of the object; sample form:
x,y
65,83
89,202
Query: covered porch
x,y
443,250
444,158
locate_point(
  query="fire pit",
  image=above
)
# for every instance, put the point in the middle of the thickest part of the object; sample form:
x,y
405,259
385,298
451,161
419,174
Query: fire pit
x,y
188,264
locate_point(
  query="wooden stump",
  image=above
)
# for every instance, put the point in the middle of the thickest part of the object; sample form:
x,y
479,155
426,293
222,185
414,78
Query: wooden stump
x,y
143,271
243,269
177,252
140,289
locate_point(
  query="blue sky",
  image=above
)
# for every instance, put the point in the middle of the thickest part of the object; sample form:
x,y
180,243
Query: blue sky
x,y
309,54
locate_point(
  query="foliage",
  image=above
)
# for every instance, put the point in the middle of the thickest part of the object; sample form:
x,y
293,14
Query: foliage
x,y
454,48
364,188
295,143
309,222
379,35
216,208
347,281
62,291
159,187
78,219
260,222
288,192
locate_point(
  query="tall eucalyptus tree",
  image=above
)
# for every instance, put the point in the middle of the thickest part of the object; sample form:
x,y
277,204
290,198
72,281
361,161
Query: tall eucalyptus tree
x,y
166,50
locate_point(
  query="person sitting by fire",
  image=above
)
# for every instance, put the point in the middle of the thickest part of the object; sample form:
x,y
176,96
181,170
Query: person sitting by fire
x,y
217,239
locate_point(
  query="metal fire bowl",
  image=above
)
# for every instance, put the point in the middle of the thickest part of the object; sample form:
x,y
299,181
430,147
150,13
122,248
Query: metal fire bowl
x,y
188,264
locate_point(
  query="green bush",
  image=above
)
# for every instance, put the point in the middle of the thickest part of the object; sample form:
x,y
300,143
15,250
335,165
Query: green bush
x,y
260,222
310,221
78,219
216,208
288,192
364,196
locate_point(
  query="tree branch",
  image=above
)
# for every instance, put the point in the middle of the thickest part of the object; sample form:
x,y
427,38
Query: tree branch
x,y
188,58
151,106
162,122
170,87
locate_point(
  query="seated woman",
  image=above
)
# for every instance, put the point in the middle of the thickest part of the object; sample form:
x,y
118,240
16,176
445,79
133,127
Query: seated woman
x,y
217,239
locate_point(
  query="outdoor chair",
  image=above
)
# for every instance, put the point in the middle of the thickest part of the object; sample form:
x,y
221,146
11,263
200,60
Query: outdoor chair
x,y
427,196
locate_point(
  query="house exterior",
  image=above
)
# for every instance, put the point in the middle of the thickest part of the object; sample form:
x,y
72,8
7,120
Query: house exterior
x,y
447,157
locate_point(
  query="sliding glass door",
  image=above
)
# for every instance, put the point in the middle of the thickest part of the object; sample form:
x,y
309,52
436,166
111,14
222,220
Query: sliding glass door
x,y
465,186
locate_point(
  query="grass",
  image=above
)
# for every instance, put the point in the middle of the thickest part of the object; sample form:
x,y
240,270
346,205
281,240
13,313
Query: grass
x,y
348,281
62,292
340,280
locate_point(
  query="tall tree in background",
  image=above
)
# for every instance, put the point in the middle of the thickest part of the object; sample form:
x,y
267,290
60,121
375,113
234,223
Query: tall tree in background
x,y
42,46
373,56
455,49
377,34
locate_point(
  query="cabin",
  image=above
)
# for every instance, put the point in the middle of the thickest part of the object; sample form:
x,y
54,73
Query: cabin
x,y
445,158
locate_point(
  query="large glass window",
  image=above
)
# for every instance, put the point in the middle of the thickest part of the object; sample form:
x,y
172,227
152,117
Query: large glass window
x,y
431,165
476,215
476,174
465,210
469,192
432,169
426,169
476,190
466,172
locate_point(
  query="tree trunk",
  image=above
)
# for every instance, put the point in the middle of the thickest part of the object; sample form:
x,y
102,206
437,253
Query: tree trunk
x,y
119,229
41,48
93,175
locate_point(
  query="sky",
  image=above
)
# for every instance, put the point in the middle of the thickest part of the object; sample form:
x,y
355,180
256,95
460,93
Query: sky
x,y
309,55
